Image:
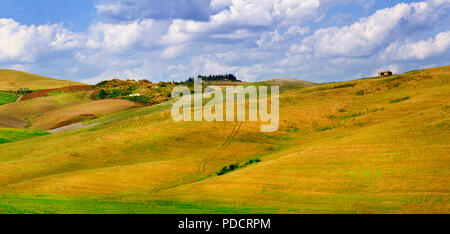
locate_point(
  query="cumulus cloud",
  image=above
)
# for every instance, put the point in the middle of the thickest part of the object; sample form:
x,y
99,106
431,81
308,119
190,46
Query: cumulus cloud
x,y
181,31
238,34
298,49
121,36
244,15
269,39
419,50
369,34
114,74
295,30
23,43
266,12
172,51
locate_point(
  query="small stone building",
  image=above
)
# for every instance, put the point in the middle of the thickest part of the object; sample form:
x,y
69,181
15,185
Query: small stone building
x,y
386,73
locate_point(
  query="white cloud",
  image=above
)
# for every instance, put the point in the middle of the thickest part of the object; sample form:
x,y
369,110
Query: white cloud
x,y
25,43
266,12
419,50
20,67
369,34
242,15
206,65
298,49
220,4
172,51
238,34
295,30
181,31
115,37
269,39
115,74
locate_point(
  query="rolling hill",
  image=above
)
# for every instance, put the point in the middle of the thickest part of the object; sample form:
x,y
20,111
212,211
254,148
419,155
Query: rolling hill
x,y
284,83
376,145
58,110
13,80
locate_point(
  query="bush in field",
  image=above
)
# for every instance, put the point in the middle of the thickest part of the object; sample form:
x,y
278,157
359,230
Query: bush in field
x,y
399,100
115,93
236,166
326,128
140,99
24,91
101,94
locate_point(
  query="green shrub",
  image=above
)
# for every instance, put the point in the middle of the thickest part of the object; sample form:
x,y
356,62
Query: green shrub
x,y
291,129
236,166
140,99
24,91
353,115
399,100
358,124
360,92
101,94
377,109
326,128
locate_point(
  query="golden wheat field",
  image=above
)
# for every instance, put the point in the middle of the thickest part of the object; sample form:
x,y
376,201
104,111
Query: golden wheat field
x,y
13,80
375,145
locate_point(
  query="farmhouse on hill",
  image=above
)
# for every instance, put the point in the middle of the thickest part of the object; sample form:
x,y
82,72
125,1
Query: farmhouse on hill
x,y
386,73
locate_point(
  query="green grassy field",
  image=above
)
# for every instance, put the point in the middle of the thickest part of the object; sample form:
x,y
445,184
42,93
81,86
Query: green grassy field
x,y
378,145
7,98
11,134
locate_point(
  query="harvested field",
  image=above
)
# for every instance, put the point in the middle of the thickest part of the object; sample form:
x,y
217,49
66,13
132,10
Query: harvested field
x,y
13,80
78,113
49,92
75,119
57,111
11,122
28,109
376,156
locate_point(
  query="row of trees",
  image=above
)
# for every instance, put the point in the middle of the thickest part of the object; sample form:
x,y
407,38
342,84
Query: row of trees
x,y
226,77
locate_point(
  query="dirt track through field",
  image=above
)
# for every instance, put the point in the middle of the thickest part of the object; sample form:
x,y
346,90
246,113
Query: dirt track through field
x,y
225,145
71,127
18,99
203,164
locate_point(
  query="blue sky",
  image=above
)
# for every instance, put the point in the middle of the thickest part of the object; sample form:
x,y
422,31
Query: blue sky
x,y
164,40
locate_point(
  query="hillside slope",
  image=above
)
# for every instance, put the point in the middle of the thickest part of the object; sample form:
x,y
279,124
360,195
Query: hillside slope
x,y
378,145
284,83
13,80
58,110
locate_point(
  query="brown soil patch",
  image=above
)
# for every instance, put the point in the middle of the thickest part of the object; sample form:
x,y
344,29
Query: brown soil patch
x,y
11,122
45,92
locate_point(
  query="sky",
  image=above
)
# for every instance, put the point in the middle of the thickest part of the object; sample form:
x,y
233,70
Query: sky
x,y
166,40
